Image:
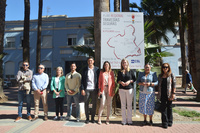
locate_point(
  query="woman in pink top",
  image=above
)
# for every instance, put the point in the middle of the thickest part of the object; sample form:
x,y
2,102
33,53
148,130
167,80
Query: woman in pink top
x,y
106,89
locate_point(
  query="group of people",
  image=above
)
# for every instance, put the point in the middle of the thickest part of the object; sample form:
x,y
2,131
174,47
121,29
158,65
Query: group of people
x,y
93,83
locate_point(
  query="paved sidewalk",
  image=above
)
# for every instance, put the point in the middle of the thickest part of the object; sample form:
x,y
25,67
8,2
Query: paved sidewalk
x,y
8,113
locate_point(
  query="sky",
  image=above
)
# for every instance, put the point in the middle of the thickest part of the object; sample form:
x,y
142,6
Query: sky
x,y
71,8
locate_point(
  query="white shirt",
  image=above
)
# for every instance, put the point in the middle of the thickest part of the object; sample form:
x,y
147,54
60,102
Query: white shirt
x,y
106,79
90,81
57,82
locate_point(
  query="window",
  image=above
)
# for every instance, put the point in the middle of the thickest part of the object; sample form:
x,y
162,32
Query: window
x,y
178,38
88,41
71,40
48,71
46,42
180,70
21,41
21,65
10,42
47,65
9,70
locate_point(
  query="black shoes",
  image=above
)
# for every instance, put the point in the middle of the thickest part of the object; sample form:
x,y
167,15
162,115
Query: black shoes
x,y
165,126
144,122
169,124
86,121
151,123
93,121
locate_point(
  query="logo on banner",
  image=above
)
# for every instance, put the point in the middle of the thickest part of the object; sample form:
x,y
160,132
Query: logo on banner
x,y
135,61
133,18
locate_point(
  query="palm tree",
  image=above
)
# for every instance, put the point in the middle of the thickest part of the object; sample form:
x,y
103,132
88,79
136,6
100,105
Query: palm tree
x,y
25,43
182,42
91,29
3,97
191,46
196,19
116,5
99,6
38,54
84,49
165,14
152,53
125,6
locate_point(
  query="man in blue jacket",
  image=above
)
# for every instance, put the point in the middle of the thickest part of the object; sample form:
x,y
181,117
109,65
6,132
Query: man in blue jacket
x,y
89,86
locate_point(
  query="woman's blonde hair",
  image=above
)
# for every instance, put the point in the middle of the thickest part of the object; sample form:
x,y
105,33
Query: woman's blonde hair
x,y
169,69
128,68
60,69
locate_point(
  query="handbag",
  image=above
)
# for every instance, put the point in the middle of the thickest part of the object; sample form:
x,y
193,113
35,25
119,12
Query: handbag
x,y
157,106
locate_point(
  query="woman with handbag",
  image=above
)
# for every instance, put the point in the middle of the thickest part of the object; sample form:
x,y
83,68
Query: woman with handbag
x,y
106,89
147,81
166,94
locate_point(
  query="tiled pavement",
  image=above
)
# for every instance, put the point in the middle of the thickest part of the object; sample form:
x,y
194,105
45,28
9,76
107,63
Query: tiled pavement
x,y
8,113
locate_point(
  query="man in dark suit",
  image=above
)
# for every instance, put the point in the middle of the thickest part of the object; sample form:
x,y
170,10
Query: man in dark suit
x,y
89,86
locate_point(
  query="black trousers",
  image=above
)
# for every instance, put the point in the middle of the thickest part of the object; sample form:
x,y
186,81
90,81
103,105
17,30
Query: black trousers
x,y
59,105
166,112
93,95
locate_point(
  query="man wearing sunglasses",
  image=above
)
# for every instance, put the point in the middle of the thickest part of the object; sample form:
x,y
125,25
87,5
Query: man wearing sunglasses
x,y
40,82
72,85
24,77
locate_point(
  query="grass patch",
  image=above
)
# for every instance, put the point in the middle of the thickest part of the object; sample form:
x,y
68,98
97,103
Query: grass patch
x,y
196,119
187,113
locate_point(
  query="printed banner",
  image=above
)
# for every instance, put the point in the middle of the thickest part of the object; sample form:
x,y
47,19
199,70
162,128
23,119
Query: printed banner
x,y
122,36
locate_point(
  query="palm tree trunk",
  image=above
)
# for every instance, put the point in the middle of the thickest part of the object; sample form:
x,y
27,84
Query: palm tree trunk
x,y
25,43
38,54
3,97
191,46
125,6
116,5
196,28
99,6
183,52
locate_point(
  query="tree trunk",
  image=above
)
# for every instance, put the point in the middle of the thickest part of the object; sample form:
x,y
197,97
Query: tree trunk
x,y
38,54
191,46
182,41
99,6
196,29
116,5
125,6
25,42
3,97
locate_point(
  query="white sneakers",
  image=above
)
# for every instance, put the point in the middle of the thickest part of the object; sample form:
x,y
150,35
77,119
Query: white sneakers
x,y
55,118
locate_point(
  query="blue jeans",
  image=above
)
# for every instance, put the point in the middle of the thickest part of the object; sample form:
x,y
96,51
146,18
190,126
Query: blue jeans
x,y
21,96
69,103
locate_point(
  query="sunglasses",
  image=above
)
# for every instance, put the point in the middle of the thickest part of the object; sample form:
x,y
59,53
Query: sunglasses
x,y
25,65
71,76
165,67
40,68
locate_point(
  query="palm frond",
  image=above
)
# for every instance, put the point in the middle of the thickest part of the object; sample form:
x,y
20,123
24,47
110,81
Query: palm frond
x,y
83,49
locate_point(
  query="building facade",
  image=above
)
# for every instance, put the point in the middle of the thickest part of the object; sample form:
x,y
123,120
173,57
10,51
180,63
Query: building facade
x,y
59,33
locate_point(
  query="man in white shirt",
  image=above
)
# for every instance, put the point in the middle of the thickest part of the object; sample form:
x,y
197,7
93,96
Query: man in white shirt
x,y
89,86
